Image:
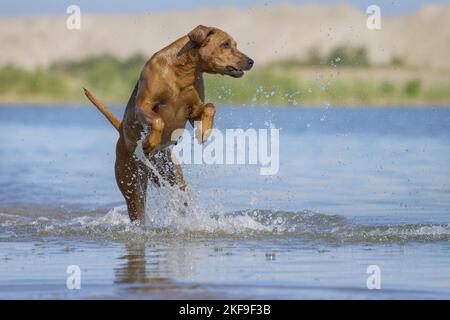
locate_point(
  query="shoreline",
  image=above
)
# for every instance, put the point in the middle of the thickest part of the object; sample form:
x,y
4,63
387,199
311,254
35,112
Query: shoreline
x,y
112,81
63,104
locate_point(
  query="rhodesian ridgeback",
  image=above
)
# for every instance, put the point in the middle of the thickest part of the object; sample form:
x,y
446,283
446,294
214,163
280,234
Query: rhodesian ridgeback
x,y
170,92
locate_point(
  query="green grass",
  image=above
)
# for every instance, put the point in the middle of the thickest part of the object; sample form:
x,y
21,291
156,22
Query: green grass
x,y
341,55
258,88
112,81
107,76
37,83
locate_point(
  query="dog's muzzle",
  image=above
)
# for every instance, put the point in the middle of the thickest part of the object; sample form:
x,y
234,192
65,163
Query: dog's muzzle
x,y
249,64
234,72
239,72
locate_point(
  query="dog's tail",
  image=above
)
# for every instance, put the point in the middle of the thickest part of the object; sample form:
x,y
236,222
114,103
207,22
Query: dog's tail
x,y
103,109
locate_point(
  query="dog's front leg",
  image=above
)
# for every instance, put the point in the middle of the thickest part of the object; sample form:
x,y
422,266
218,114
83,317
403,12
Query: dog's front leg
x,y
206,118
147,116
199,112
206,122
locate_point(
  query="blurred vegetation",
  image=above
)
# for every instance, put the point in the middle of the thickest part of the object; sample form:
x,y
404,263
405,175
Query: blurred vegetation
x,y
412,88
281,83
342,55
397,61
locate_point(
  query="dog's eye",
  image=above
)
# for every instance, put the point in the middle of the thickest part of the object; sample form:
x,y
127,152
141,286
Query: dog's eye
x,y
226,45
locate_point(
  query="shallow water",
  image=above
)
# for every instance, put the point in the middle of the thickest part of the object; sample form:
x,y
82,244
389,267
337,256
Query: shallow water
x,y
356,187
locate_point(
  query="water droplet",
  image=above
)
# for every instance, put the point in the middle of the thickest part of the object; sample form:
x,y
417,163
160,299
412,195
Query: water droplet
x,y
270,256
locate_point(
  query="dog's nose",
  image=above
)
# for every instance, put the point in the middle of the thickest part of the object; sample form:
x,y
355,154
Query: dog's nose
x,y
250,62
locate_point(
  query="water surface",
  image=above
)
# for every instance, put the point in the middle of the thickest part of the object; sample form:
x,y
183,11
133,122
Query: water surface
x,y
356,187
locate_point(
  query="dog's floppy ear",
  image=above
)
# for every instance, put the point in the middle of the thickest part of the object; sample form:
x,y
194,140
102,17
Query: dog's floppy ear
x,y
199,34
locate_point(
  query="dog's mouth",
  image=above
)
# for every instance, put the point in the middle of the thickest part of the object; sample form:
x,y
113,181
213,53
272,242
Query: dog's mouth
x,y
234,72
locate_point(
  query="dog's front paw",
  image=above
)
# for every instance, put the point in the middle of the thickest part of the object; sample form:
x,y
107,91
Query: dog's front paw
x,y
206,124
148,149
154,137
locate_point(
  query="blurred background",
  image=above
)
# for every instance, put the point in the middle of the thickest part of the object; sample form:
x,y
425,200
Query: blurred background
x,y
356,186
306,54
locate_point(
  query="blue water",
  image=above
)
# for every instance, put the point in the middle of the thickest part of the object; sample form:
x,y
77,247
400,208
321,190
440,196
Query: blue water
x,y
356,186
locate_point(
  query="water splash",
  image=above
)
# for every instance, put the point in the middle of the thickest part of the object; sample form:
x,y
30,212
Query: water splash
x,y
196,223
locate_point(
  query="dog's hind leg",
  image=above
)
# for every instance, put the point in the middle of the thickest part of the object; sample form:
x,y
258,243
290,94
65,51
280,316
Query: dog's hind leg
x,y
132,180
180,177
136,199
168,170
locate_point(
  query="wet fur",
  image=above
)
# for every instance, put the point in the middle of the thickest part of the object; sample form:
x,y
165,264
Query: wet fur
x,y
170,92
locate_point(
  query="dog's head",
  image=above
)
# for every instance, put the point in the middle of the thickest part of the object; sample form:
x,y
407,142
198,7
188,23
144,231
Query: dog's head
x,y
218,52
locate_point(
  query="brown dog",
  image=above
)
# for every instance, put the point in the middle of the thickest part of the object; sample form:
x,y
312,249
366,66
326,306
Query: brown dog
x,y
169,92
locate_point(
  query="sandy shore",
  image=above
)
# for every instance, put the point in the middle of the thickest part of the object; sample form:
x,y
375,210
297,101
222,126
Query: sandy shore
x,y
267,33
